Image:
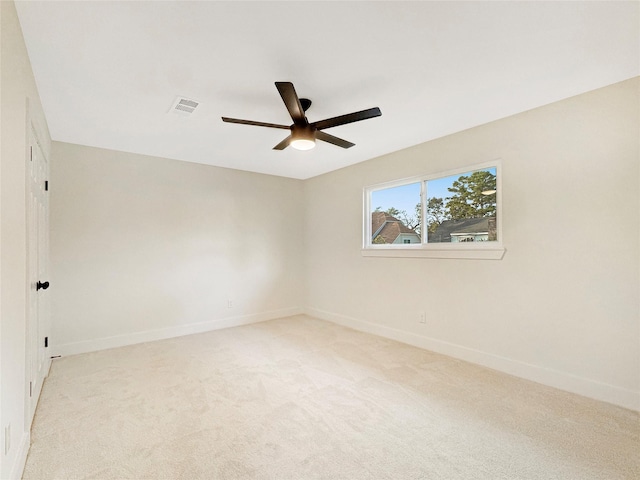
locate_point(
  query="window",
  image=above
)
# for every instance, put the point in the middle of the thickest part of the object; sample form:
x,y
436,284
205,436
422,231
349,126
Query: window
x,y
396,218
448,215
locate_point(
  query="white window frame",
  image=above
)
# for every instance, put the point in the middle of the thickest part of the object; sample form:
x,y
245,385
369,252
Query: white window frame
x,y
463,250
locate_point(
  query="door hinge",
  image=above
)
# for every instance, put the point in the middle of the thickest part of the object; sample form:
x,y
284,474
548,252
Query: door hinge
x,y
46,342
31,389
46,185
30,153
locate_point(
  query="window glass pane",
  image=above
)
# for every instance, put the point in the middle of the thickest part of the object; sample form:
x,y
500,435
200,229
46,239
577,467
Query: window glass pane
x,y
396,215
462,208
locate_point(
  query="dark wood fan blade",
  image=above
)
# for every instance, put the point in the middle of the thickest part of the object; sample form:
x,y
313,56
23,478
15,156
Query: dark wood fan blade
x,y
348,118
283,144
292,102
251,122
325,137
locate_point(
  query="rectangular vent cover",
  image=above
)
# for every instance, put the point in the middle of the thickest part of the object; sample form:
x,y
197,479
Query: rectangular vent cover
x,y
183,106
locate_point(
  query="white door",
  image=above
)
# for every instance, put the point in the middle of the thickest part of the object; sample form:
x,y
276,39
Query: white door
x,y
38,358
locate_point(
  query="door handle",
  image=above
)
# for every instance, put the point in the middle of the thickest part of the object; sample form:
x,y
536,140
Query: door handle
x,y
41,285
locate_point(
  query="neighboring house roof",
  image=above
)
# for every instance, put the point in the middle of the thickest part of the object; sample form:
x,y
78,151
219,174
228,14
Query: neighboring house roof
x,y
388,227
465,225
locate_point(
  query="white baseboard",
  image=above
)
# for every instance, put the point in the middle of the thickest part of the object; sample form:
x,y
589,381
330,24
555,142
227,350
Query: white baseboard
x,y
546,376
168,332
21,458
553,378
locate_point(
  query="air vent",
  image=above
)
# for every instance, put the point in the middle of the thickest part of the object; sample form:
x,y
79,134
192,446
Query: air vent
x,y
183,106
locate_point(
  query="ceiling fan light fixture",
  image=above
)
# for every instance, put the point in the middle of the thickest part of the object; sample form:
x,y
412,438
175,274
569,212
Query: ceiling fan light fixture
x,y
303,138
303,144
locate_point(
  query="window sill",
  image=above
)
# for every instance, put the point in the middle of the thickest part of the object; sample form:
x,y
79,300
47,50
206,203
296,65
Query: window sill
x,y
493,252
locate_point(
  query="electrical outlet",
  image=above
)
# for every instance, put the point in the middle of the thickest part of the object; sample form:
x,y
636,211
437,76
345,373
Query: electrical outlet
x,y
423,317
229,303
7,439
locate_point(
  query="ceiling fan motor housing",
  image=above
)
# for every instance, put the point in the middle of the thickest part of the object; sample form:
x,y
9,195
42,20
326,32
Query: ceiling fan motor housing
x,y
303,132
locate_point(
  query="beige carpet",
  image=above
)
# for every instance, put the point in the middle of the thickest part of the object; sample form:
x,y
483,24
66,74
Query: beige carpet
x,y
299,398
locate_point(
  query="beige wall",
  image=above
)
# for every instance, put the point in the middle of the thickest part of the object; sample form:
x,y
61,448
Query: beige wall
x,y
562,306
145,247
17,90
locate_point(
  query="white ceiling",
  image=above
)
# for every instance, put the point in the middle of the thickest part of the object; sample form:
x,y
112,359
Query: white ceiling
x,y
108,72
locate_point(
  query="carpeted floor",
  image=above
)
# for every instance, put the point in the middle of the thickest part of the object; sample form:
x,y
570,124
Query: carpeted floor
x,y
300,398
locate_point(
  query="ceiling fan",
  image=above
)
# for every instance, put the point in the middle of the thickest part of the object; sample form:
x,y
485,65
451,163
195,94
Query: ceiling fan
x,y
304,134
